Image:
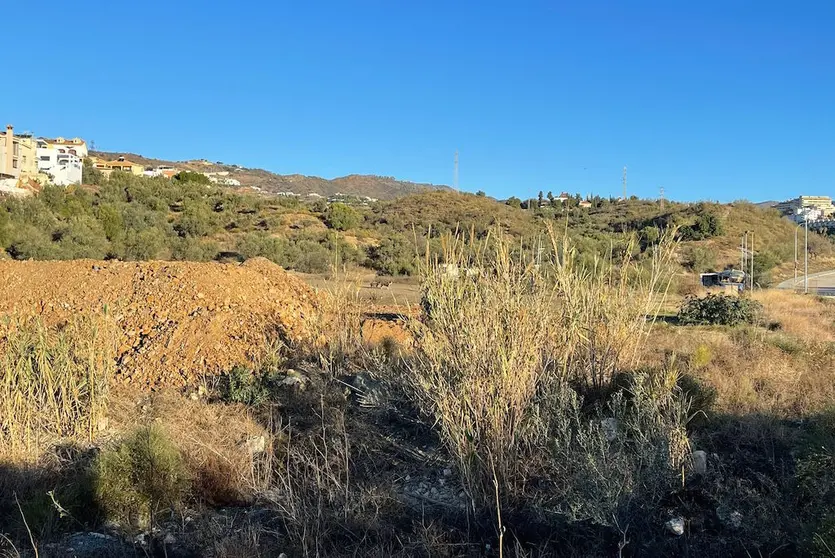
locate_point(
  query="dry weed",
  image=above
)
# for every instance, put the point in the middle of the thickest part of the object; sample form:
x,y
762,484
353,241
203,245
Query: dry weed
x,y
502,348
55,382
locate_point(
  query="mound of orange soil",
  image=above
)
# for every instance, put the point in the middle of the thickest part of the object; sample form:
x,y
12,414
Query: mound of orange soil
x,y
177,321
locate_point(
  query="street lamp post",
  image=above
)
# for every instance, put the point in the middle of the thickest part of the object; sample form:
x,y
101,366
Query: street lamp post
x,y
796,230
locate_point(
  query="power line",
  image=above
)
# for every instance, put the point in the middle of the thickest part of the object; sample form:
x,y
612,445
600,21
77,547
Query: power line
x,y
624,183
455,172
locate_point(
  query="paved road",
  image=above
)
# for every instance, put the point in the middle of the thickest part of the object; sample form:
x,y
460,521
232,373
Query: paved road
x,y
823,282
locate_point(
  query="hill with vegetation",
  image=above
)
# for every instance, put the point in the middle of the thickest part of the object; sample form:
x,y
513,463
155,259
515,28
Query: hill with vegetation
x,y
187,218
373,186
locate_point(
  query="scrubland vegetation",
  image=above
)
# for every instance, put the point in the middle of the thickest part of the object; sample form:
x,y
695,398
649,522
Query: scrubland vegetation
x,y
136,218
539,408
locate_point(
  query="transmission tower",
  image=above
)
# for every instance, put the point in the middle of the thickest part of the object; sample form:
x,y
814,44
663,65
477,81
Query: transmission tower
x,y
455,172
662,197
624,183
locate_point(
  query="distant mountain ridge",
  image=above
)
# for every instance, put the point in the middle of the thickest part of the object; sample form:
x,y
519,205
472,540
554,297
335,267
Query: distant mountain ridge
x,y
373,186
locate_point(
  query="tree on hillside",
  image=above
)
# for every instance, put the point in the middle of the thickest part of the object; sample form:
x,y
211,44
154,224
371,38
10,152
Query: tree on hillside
x,y
342,217
189,176
513,201
90,174
550,198
481,194
540,198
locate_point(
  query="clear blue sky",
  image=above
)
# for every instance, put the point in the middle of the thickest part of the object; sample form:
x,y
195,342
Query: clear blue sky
x,y
710,99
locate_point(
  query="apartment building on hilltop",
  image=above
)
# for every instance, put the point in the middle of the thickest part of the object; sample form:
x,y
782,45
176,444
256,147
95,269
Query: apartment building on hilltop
x,y
811,208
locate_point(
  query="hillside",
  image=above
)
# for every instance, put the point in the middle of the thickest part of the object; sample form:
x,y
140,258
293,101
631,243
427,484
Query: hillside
x,y
137,218
378,187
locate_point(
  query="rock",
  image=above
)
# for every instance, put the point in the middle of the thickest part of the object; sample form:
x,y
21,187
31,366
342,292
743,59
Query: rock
x,y
294,378
371,393
169,539
675,526
730,519
256,444
610,428
282,555
447,472
699,460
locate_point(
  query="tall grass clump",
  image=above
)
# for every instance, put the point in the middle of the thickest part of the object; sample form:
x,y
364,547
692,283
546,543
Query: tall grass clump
x,y
54,381
508,354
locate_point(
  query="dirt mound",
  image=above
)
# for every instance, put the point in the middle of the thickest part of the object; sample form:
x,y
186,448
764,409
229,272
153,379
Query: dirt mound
x,y
177,320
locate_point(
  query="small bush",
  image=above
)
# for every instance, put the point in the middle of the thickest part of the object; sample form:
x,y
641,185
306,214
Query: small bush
x,y
701,356
718,309
141,477
242,385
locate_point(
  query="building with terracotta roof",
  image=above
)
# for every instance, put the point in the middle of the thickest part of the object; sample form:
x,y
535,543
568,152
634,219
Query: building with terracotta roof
x,y
120,164
74,146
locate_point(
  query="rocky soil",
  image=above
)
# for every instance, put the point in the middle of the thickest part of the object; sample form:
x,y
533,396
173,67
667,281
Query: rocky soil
x,y
177,321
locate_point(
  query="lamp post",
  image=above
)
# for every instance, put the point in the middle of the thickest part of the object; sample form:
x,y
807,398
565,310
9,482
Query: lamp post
x,y
796,230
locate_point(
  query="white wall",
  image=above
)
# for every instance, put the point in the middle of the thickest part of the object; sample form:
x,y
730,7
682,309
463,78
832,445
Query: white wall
x,y
64,169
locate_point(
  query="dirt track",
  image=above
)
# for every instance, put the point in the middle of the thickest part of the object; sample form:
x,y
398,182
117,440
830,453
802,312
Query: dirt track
x,y
177,320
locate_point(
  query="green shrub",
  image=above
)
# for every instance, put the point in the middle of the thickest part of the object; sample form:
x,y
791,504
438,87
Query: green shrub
x,y
719,309
393,256
700,259
342,217
141,477
196,220
242,385
189,176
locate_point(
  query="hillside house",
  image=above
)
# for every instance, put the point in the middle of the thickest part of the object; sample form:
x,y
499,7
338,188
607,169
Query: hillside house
x,y
18,155
74,146
120,164
166,171
585,204
62,168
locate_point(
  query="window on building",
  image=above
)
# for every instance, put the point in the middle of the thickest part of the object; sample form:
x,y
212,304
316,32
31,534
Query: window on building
x,y
14,163
16,149
44,157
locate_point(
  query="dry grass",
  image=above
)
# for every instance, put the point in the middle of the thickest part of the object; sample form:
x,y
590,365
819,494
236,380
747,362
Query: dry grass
x,y
217,442
806,317
504,354
787,372
55,383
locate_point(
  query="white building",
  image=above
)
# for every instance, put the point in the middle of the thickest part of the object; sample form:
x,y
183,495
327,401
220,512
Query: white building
x,y
162,170
811,208
62,167
222,177
74,146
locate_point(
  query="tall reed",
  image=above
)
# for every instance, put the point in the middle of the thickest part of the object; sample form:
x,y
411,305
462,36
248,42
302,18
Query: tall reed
x,y
53,381
508,345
